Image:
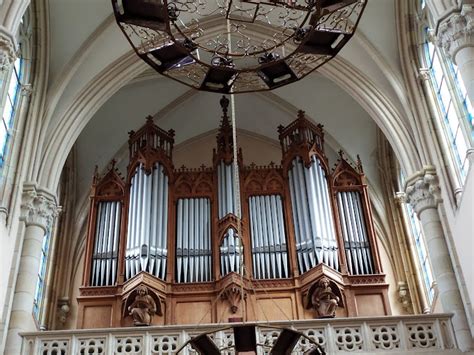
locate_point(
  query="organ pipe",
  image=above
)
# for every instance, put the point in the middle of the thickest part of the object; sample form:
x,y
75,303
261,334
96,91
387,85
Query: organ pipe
x,y
148,223
312,215
107,233
269,251
231,251
226,189
354,231
193,240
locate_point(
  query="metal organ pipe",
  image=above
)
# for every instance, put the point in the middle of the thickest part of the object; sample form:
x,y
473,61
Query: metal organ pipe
x,y
226,189
231,252
356,242
193,240
104,257
296,223
268,237
364,235
357,232
283,244
312,215
148,223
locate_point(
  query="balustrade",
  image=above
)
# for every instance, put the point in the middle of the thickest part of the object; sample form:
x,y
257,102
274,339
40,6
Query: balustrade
x,y
430,334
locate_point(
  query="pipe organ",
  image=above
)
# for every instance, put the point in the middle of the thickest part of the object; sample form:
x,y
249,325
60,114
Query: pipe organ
x,y
312,215
176,233
104,258
146,248
193,240
268,237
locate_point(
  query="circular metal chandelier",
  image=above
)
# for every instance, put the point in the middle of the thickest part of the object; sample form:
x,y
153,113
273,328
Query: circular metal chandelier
x,y
235,46
244,340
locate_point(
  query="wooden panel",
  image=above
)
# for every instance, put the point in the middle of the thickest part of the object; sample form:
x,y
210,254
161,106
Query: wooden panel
x,y
275,308
192,312
97,316
370,305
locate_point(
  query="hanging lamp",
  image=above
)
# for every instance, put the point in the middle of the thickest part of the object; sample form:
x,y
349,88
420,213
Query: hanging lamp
x,y
235,46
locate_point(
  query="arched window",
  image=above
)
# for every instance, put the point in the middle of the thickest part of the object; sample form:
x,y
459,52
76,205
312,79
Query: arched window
x,y
419,243
40,284
453,106
419,249
12,82
11,98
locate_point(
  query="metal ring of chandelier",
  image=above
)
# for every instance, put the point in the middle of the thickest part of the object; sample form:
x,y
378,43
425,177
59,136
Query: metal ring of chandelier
x,y
244,341
236,46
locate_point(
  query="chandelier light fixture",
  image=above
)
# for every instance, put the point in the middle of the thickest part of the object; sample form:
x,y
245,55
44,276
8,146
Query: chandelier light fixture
x,y
235,46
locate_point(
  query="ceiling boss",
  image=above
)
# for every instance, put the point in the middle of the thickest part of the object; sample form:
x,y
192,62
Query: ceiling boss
x,y
235,46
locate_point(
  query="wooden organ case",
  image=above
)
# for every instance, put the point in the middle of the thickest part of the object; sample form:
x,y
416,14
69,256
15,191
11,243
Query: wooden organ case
x,y
163,244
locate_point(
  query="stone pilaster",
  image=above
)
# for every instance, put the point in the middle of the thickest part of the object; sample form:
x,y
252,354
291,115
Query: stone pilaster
x,y
8,48
423,193
38,210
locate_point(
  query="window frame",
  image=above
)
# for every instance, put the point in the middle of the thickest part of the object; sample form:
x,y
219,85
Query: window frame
x,y
455,120
16,73
423,260
40,294
418,248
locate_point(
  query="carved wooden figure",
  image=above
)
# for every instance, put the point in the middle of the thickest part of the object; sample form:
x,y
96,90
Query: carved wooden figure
x,y
324,300
142,306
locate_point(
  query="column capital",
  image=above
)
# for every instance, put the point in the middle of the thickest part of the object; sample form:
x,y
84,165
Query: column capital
x,y
8,48
422,190
38,207
456,31
424,74
400,198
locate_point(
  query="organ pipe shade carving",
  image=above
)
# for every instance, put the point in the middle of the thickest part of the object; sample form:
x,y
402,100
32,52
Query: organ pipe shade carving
x,y
267,229
231,252
354,231
193,240
147,223
107,233
315,237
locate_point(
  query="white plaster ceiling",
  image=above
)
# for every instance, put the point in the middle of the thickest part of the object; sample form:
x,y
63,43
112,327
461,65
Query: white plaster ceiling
x,y
74,23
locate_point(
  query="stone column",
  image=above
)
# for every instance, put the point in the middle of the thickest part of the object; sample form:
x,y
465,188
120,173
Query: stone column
x,y
39,208
455,34
423,193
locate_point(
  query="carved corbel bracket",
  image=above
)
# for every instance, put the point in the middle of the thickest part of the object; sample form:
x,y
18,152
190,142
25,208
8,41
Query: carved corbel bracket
x,y
142,303
404,296
324,296
63,310
234,295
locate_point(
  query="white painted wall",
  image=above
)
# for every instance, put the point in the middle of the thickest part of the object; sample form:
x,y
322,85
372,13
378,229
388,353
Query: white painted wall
x,y
463,235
